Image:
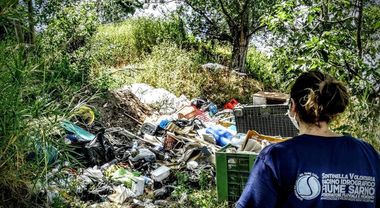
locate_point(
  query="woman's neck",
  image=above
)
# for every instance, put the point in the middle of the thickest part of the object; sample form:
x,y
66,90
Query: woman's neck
x,y
313,129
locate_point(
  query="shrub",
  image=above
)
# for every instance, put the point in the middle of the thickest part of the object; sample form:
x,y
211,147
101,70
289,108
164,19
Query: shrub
x,y
260,67
361,120
149,32
173,69
63,43
39,85
129,41
114,45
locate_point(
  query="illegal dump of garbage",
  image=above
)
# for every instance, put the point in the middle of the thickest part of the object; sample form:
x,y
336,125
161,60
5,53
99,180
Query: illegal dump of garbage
x,y
151,143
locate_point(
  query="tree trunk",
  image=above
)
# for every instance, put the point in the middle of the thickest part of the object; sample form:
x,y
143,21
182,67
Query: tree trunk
x,y
325,16
18,31
239,50
31,33
359,29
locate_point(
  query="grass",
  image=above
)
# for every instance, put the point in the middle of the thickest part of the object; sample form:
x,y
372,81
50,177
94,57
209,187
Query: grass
x,y
114,45
35,97
178,71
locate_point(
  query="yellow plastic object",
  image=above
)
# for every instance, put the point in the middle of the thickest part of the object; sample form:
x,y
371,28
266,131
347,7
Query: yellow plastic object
x,y
87,113
225,123
253,135
271,139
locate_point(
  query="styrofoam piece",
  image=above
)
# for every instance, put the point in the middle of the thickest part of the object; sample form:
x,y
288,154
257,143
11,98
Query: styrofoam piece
x,y
160,173
138,185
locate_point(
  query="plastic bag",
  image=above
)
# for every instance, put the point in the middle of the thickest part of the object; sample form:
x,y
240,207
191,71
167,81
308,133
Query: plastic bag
x,y
99,150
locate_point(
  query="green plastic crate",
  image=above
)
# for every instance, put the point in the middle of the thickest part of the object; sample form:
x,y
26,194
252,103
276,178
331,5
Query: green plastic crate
x,y
232,172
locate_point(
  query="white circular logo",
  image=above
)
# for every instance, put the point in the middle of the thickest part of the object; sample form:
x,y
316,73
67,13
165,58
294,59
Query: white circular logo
x,y
307,186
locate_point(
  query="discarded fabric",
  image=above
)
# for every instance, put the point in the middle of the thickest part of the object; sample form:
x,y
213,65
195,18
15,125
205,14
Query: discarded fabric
x,y
121,194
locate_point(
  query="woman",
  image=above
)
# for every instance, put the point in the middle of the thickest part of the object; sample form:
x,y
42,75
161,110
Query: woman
x,y
318,168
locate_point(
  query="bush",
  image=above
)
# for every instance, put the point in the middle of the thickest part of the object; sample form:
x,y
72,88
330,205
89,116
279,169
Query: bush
x,y
40,84
129,41
260,67
63,44
360,112
114,45
173,69
149,32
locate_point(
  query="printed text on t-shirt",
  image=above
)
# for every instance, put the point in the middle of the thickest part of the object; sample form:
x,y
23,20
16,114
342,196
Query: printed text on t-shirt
x,y
350,187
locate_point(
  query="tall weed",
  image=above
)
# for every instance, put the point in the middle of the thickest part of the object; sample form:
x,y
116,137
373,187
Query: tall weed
x,y
35,96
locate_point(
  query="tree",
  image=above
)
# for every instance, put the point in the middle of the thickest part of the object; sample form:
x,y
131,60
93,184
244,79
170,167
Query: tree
x,y
107,10
340,37
116,10
234,21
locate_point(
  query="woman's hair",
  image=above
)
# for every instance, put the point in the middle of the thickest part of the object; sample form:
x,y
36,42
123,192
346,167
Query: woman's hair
x,y
318,97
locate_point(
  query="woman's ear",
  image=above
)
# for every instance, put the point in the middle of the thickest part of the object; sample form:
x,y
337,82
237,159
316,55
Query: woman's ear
x,y
292,106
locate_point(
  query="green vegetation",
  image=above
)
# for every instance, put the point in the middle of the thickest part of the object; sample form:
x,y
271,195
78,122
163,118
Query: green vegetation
x,y
188,197
46,75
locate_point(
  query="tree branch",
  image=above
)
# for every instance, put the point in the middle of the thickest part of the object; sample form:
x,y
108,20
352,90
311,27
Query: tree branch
x,y
336,21
359,29
256,29
200,12
245,6
229,18
213,26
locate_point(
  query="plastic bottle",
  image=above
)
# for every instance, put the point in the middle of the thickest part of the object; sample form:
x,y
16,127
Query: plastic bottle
x,y
221,135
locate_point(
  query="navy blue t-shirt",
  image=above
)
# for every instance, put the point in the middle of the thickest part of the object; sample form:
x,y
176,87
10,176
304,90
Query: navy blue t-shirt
x,y
314,171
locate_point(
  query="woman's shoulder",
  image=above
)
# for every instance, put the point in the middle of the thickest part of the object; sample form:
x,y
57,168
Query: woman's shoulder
x,y
284,145
280,148
305,141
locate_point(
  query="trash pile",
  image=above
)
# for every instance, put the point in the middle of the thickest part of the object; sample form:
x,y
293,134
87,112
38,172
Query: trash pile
x,y
138,167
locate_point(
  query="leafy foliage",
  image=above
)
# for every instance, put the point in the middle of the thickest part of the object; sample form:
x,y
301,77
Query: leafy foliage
x,y
39,86
41,82
190,197
332,37
34,98
106,10
260,67
309,42
116,10
63,43
149,32
128,41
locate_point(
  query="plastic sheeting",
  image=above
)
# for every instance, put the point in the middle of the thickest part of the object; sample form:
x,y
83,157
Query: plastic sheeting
x,y
159,98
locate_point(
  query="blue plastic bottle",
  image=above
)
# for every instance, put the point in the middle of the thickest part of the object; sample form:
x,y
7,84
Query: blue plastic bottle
x,y
222,136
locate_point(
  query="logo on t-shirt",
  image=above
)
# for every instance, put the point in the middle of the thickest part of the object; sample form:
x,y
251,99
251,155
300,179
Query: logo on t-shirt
x,y
307,186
